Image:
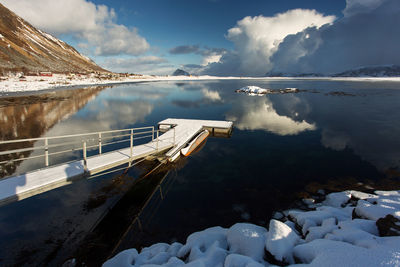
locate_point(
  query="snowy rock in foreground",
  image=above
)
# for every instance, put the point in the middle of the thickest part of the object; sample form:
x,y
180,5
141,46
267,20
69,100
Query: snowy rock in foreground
x,y
247,239
341,231
281,240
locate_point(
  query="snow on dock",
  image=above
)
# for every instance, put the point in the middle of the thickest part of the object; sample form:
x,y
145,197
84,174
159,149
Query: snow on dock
x,y
187,129
177,134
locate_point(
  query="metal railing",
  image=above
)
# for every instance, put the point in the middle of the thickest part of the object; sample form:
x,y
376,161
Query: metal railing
x,y
76,146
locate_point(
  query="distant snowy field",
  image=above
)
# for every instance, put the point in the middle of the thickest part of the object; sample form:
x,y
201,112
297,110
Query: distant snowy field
x,y
36,83
346,229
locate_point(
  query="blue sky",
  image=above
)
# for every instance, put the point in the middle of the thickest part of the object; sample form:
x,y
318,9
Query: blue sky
x,y
223,37
171,23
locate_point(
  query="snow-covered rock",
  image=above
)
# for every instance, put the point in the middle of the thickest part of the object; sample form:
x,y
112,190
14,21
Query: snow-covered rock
x,y
198,243
281,240
331,237
247,239
337,199
255,90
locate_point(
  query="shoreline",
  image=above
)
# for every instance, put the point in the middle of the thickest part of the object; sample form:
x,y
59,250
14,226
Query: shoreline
x,y
32,85
348,228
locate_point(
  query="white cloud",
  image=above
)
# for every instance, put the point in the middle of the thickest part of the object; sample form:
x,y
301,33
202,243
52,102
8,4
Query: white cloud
x,y
144,65
366,36
92,24
260,114
211,59
257,38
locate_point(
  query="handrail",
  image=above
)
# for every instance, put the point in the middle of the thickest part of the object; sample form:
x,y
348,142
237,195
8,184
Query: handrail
x,y
80,142
71,135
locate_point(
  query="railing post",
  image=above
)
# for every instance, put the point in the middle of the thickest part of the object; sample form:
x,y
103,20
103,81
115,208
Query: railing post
x,y
131,146
152,134
84,157
99,143
46,152
157,139
174,136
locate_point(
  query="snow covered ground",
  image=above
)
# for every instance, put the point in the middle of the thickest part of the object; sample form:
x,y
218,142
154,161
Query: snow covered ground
x,y
36,83
346,229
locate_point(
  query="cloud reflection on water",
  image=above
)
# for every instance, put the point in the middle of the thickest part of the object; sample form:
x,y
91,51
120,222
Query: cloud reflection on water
x,y
259,114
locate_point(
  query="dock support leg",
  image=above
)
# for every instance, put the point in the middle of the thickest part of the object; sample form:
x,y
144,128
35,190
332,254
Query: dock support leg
x,y
139,223
157,139
161,194
100,143
84,157
46,152
131,145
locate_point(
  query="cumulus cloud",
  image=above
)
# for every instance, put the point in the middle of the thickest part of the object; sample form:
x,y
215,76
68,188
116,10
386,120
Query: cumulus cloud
x,y
144,65
367,35
260,114
93,25
256,39
210,55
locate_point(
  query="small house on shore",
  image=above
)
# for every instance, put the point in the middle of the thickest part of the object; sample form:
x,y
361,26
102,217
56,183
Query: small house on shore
x,y
46,74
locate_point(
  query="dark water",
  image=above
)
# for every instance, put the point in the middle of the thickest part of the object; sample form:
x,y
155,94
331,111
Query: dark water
x,y
334,135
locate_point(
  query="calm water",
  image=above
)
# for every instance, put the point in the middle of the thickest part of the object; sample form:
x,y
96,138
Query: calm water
x,y
284,146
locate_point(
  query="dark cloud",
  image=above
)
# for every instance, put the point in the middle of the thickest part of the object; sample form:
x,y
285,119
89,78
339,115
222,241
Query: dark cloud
x,y
211,51
366,38
184,49
193,66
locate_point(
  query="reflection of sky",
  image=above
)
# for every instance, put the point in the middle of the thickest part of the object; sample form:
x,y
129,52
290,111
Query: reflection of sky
x,y
366,123
279,140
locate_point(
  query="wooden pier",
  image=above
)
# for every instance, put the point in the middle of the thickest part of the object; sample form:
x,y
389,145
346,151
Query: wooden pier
x,y
168,140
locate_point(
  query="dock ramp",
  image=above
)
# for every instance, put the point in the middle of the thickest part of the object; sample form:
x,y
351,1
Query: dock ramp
x,y
167,140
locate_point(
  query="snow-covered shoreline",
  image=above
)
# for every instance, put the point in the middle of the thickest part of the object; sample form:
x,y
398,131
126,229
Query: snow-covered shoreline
x,y
61,81
348,228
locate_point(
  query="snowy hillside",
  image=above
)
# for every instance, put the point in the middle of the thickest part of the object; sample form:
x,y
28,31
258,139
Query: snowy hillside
x,y
25,48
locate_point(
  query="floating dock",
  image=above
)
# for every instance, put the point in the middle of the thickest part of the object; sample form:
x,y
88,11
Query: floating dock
x,y
176,133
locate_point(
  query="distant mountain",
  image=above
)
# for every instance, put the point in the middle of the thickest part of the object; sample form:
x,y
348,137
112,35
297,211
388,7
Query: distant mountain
x,y
25,48
372,71
281,74
180,72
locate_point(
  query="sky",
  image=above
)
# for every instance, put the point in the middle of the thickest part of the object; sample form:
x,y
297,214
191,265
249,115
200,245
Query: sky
x,y
223,37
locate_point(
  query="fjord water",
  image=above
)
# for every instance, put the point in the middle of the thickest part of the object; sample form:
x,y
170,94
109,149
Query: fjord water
x,y
333,135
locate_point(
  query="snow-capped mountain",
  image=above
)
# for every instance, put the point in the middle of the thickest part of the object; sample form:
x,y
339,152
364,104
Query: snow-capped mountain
x,y
372,71
25,48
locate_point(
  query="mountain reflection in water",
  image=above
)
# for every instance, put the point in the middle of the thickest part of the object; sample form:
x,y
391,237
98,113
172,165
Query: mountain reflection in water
x,y
33,116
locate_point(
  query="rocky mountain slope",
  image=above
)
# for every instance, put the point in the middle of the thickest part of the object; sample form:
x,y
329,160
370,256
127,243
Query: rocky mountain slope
x,y
180,72
25,48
